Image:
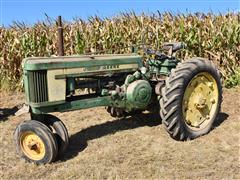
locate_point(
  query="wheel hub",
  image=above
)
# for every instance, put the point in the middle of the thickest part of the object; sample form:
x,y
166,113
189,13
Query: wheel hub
x,y
200,100
32,146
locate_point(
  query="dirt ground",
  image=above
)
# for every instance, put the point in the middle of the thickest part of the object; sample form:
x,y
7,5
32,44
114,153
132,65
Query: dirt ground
x,y
102,147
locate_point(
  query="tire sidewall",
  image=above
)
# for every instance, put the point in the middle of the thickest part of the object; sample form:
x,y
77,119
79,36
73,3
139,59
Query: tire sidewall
x,y
61,133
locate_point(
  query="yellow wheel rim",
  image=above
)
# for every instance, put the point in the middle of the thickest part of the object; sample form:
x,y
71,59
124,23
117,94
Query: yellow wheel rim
x,y
200,101
32,145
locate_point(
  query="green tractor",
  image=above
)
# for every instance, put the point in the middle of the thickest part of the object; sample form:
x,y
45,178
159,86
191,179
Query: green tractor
x,y
188,95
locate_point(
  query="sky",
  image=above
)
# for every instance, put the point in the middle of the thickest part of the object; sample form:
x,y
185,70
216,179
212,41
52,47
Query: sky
x,y
31,11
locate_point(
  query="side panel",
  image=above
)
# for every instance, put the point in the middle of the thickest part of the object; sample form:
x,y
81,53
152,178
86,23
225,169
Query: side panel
x,y
74,105
97,70
56,87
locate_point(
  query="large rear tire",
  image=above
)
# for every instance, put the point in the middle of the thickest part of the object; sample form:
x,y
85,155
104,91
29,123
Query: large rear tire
x,y
191,99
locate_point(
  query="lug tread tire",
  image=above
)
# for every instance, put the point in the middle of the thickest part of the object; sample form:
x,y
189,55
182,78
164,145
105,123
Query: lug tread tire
x,y
172,94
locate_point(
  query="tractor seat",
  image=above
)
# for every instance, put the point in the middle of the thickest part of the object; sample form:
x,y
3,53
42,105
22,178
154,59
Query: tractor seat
x,y
173,45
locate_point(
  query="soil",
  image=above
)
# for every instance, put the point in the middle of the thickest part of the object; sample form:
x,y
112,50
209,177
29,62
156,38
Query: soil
x,y
127,148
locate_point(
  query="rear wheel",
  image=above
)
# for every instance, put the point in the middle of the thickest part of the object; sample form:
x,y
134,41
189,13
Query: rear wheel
x,y
35,142
191,99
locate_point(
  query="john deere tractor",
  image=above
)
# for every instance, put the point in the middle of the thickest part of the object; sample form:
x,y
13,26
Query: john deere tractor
x,y
188,95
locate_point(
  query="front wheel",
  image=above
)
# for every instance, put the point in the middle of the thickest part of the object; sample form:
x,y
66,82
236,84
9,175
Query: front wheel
x,y
191,99
35,142
59,130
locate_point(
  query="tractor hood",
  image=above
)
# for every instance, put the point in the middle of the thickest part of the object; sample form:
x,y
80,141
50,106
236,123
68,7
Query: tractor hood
x,y
88,63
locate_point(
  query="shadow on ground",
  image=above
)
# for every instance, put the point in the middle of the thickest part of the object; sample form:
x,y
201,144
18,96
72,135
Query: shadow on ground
x,y
6,112
78,141
222,117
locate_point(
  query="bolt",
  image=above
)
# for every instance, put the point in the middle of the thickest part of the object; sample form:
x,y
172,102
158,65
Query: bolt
x,y
188,121
210,84
212,100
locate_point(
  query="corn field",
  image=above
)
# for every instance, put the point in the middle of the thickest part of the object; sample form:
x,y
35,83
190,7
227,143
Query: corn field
x,y
216,37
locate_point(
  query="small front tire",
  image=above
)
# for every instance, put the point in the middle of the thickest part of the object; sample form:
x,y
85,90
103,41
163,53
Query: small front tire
x,y
59,130
35,142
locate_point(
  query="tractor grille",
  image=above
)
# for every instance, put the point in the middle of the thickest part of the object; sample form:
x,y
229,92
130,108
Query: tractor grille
x,y
38,90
